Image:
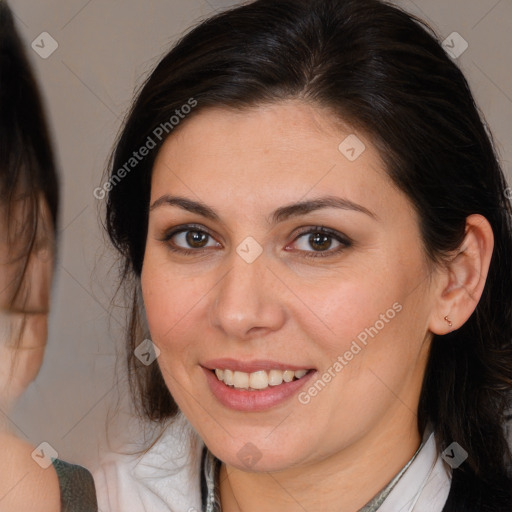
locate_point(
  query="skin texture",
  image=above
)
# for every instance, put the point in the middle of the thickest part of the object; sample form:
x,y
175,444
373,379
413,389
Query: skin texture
x,y
336,452
25,486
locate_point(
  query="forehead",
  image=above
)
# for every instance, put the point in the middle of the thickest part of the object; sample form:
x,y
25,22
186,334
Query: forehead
x,y
286,150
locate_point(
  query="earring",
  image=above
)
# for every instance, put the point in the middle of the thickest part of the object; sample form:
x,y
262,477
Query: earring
x,y
448,320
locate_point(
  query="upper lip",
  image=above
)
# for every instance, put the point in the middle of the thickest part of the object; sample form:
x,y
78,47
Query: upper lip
x,y
251,366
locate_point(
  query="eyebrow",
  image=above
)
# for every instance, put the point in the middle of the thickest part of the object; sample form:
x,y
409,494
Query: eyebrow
x,y
279,215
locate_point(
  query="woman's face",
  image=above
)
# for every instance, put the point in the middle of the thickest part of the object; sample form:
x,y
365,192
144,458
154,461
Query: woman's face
x,y
277,243
25,282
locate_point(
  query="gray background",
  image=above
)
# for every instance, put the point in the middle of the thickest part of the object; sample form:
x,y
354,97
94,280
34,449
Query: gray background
x,y
105,48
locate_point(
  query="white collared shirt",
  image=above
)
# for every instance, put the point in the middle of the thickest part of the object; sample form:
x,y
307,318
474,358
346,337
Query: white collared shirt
x,y
167,478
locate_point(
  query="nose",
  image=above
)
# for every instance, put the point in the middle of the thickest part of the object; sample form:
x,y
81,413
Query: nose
x,y
247,300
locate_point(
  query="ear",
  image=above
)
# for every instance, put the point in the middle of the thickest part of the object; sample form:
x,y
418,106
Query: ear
x,y
462,281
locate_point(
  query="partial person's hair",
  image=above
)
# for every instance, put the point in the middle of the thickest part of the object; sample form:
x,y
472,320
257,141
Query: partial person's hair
x,y
27,171
384,72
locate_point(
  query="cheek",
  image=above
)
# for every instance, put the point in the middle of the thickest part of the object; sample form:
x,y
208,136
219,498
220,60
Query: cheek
x,y
175,311
373,321
349,308
172,304
21,353
376,354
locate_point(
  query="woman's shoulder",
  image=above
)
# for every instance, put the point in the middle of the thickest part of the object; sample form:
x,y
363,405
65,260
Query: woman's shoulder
x,y
26,485
153,479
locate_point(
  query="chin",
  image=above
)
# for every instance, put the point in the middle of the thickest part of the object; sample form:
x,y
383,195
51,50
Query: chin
x,y
258,452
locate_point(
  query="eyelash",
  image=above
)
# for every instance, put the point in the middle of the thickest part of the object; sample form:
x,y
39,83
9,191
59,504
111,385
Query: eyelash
x,y
342,239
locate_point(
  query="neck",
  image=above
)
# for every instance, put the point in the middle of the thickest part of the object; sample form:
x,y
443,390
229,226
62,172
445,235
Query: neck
x,y
346,481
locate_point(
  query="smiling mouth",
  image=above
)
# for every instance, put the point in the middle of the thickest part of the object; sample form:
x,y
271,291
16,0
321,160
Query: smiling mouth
x,y
258,381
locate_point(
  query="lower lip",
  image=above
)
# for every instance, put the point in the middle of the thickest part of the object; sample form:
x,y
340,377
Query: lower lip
x,y
254,401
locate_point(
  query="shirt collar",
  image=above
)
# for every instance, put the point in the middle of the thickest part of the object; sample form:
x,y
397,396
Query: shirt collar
x,y
424,479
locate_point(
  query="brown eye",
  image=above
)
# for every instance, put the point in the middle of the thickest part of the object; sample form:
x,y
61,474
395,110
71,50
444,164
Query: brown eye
x,y
187,240
196,239
320,241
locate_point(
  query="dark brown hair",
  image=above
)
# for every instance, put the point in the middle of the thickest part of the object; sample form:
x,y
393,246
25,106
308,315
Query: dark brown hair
x,y
381,70
27,169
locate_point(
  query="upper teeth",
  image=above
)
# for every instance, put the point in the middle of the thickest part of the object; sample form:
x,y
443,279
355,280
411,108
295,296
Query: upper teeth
x,y
258,380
